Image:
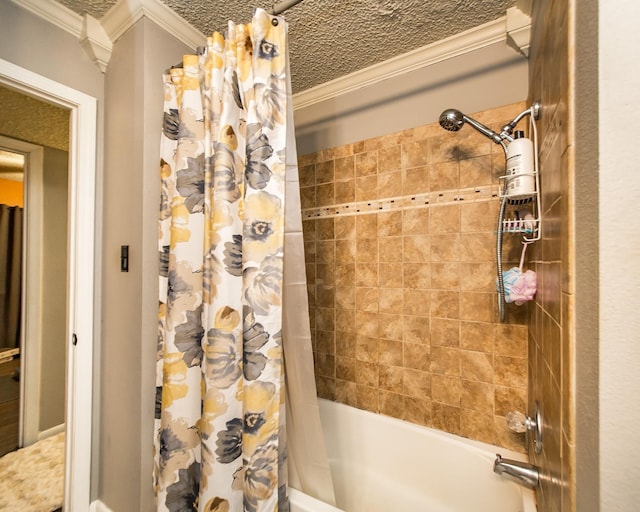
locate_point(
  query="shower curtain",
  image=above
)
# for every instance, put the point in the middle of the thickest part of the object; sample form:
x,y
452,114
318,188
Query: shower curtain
x,y
227,171
10,275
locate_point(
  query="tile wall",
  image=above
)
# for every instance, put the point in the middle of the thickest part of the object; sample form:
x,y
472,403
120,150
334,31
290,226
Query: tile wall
x,y
400,253
551,326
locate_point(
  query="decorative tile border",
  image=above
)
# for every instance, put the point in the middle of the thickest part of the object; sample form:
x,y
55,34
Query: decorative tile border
x,y
425,200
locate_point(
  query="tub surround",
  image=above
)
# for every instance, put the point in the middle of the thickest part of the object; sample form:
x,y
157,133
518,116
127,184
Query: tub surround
x,y
399,243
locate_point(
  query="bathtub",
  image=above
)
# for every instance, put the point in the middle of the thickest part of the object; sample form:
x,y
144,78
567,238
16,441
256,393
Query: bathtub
x,y
381,464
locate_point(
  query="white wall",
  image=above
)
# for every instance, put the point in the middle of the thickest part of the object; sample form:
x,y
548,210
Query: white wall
x,y
619,125
479,80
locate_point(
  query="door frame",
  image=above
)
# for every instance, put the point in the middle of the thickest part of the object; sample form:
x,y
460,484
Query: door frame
x,y
81,271
31,324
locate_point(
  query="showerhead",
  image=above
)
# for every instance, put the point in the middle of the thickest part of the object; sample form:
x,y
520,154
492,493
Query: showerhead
x,y
452,120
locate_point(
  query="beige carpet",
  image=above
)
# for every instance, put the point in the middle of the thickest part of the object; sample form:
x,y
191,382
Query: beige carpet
x,y
32,478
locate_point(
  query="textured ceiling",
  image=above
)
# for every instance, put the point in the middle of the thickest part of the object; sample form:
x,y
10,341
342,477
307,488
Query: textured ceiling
x,y
332,38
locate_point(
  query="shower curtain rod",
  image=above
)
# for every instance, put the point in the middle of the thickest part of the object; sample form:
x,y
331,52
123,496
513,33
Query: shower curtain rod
x,y
283,6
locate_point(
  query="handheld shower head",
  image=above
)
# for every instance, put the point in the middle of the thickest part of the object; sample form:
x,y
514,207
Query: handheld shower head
x,y
452,120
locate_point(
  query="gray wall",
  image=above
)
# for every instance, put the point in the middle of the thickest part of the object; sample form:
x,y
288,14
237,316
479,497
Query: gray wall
x,y
133,121
54,288
479,80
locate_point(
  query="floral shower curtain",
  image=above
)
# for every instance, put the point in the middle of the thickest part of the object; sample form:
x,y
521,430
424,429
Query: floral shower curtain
x,y
220,403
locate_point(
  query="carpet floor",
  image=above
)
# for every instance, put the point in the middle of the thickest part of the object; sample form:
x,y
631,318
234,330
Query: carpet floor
x,y
33,477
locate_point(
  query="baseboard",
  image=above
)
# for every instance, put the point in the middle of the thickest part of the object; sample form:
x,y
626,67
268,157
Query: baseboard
x,y
98,506
51,431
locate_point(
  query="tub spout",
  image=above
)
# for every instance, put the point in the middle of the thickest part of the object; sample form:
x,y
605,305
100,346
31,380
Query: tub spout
x,y
526,474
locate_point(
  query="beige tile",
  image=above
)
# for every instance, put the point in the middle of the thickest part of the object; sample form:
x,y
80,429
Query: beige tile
x,y
446,389
511,340
345,191
445,275
366,373
416,356
390,249
444,176
390,275
443,148
325,319
417,410
389,224
506,438
511,371
345,251
415,181
476,366
389,158
390,378
476,172
445,304
345,320
366,164
367,226
366,188
478,396
415,221
308,197
345,297
416,383
346,392
476,336
416,329
444,219
367,299
326,342
366,274
326,365
342,275
325,195
390,326
477,247
326,387
478,277
416,302
390,352
389,185
415,154
367,348
345,168
510,400
346,368
477,306
416,249
366,323
391,404
445,361
345,345
446,248
367,398
367,250
446,417
325,172
416,275
345,227
390,300
479,217
307,175
325,229
325,251
445,332
477,425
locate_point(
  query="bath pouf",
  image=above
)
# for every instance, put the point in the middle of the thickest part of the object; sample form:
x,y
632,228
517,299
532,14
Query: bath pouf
x,y
519,287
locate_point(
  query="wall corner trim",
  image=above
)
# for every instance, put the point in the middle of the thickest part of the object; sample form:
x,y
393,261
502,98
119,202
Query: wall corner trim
x,y
518,30
126,13
96,42
456,45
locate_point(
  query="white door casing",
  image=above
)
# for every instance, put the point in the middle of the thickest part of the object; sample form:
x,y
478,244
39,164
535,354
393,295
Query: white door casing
x,y
81,271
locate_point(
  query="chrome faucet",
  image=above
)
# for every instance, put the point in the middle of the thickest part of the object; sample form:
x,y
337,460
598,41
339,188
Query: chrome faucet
x,y
526,474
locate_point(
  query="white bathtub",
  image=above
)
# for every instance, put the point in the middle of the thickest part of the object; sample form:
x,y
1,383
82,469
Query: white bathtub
x,y
380,464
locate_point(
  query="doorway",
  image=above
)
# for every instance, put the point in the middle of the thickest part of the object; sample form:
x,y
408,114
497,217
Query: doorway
x,y
81,301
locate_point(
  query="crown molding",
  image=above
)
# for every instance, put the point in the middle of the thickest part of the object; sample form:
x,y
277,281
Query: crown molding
x,y
126,13
518,30
459,44
96,42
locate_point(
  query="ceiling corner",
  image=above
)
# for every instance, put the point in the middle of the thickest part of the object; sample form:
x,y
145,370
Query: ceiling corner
x,y
518,30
